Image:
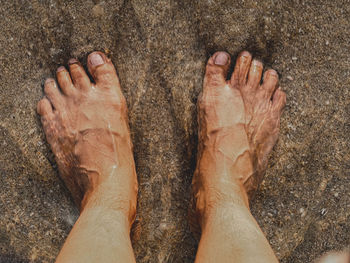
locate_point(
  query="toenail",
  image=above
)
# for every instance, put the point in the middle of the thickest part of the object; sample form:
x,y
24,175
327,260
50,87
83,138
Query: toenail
x,y
73,61
273,72
96,59
245,54
61,68
257,63
221,59
49,80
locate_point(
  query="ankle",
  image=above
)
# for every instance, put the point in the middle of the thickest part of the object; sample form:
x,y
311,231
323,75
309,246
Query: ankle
x,y
107,216
115,193
126,208
221,195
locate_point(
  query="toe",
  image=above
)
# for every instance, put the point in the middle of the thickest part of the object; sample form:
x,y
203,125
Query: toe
x,y
52,92
216,69
255,73
239,76
64,80
270,82
78,74
44,107
278,100
102,70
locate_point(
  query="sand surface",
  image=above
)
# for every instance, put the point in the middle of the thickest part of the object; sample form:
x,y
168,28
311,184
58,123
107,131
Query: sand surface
x,y
160,49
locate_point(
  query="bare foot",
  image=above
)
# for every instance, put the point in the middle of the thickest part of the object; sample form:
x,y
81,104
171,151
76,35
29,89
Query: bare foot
x,y
238,127
87,128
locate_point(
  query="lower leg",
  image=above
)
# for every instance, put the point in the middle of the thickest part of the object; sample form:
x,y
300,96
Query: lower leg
x,y
101,233
239,124
230,232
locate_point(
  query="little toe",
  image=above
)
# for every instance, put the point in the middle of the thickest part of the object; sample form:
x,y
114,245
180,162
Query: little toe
x,y
270,82
78,74
255,73
64,80
52,92
44,107
278,100
216,69
102,70
240,73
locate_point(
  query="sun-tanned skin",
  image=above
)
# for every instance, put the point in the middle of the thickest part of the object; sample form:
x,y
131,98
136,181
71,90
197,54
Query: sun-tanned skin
x,y
86,126
238,127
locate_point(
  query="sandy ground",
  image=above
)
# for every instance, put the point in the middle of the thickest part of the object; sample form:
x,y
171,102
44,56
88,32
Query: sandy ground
x,y
160,49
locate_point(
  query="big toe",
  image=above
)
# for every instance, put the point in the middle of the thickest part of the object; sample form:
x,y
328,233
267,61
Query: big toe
x,y
216,69
102,70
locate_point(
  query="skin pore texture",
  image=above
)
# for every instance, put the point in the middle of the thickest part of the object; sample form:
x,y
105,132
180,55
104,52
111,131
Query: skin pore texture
x,y
238,127
86,126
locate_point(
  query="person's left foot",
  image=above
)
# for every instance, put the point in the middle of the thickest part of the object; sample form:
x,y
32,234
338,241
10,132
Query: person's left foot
x,y
86,126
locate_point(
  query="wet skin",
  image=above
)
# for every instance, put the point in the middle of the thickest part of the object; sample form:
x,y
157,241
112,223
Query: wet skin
x,y
238,126
238,123
86,126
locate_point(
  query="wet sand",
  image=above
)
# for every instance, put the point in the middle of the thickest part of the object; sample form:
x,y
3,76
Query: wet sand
x,y
160,49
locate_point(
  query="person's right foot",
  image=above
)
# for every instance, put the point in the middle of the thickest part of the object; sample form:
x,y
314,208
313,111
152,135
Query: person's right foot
x,y
86,126
238,127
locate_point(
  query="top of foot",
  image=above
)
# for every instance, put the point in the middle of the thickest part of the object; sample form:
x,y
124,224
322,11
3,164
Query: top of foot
x,y
239,120
86,126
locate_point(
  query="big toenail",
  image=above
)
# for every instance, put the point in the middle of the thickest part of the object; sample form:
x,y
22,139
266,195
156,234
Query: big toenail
x,y
96,59
221,59
61,68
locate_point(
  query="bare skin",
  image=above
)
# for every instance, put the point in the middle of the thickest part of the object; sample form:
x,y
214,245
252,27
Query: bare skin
x,y
87,128
239,125
86,125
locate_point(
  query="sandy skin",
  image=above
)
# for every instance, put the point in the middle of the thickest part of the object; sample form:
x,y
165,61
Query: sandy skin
x,y
86,126
238,127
